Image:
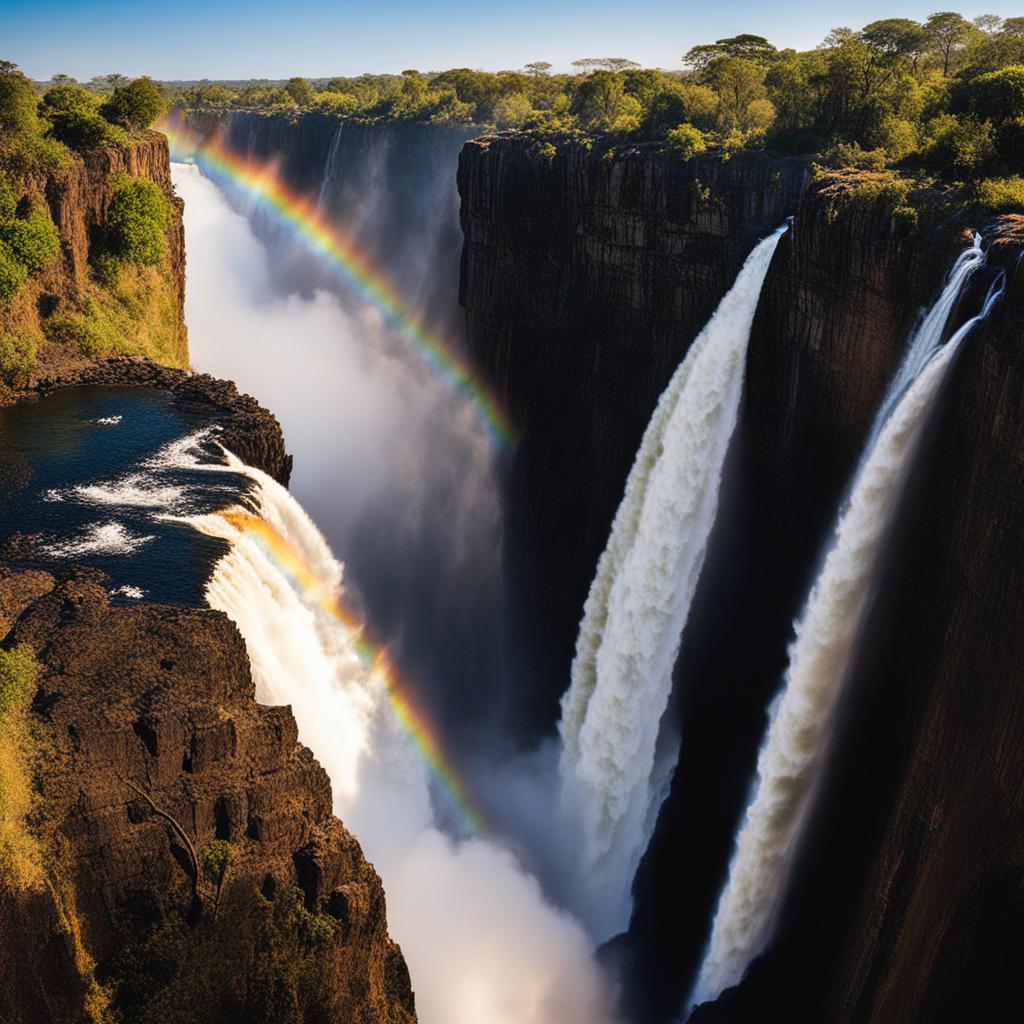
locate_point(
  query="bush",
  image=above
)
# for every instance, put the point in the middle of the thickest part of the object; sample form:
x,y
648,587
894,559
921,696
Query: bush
x,y
17,354
138,215
13,274
1002,194
686,140
82,130
999,95
136,105
33,240
962,145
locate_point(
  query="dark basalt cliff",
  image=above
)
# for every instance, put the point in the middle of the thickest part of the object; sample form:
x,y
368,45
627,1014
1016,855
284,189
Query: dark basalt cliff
x,y
586,274
906,902
153,746
151,734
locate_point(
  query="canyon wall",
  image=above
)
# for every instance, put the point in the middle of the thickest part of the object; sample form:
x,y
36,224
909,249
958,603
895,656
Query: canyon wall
x,y
147,305
586,274
153,747
906,900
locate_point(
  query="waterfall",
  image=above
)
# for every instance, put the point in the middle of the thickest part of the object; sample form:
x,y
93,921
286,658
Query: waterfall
x,y
639,600
793,751
279,586
332,157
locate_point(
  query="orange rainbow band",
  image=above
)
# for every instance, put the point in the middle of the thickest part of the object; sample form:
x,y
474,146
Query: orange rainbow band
x,y
414,722
260,181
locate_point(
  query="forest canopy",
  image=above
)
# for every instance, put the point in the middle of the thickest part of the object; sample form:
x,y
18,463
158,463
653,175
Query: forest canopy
x,y
941,97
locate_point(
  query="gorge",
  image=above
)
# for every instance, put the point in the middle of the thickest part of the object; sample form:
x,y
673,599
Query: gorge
x,y
690,388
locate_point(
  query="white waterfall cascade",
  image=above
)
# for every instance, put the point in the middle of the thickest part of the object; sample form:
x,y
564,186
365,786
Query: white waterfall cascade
x,y
332,159
444,896
639,601
793,750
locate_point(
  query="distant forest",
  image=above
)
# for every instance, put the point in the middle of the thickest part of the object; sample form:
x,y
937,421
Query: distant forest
x,y
941,100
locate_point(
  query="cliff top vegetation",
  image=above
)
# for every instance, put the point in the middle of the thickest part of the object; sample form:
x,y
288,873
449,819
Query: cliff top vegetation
x,y
943,98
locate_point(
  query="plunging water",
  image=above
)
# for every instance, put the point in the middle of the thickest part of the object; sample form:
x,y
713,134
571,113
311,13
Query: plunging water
x,y
640,598
793,752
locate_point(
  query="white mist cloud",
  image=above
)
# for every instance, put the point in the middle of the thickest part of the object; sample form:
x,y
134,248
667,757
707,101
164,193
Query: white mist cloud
x,y
483,944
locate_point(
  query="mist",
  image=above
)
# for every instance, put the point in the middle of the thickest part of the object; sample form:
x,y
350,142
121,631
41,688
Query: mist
x,y
379,442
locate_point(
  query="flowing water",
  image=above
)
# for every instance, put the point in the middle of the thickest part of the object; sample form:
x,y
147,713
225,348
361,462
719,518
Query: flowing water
x,y
85,475
612,778
793,752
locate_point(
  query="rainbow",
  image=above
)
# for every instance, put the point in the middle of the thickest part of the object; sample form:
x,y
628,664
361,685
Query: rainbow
x,y
374,657
295,212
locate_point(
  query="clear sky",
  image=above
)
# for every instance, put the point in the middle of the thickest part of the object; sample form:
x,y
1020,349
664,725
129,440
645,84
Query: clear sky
x,y
185,39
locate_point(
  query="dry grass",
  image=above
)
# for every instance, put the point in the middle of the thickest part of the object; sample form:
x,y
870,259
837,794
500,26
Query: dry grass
x,y
20,850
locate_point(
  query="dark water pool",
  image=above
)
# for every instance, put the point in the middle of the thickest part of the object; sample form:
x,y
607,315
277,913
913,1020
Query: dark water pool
x,y
96,476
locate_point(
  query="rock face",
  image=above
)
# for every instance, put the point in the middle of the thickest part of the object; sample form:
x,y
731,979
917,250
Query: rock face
x,y
906,902
148,714
78,197
154,747
586,274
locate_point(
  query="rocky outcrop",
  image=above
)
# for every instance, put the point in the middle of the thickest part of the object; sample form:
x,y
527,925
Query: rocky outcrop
x,y
154,759
78,197
587,272
154,747
143,315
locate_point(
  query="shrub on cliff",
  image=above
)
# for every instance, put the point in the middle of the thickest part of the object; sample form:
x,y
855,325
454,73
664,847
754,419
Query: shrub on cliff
x,y
138,216
12,274
17,354
29,241
1002,195
686,140
136,105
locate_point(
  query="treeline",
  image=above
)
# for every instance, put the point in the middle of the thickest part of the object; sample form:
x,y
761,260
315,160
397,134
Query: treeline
x,y
40,126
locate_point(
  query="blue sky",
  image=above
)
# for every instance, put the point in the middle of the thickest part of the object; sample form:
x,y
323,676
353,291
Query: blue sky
x,y
174,39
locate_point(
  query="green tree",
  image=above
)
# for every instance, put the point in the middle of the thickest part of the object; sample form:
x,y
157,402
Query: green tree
x,y
999,95
601,103
300,90
948,33
739,83
136,105
539,68
687,140
756,49
18,116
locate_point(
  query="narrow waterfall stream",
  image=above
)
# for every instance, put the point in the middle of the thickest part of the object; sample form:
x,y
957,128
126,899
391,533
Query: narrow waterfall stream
x,y
793,752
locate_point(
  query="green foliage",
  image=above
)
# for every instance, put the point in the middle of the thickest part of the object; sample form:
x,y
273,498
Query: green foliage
x,y
75,120
17,354
137,218
13,274
300,91
962,144
32,239
136,105
999,95
218,856
1001,195
687,140
29,241
18,671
